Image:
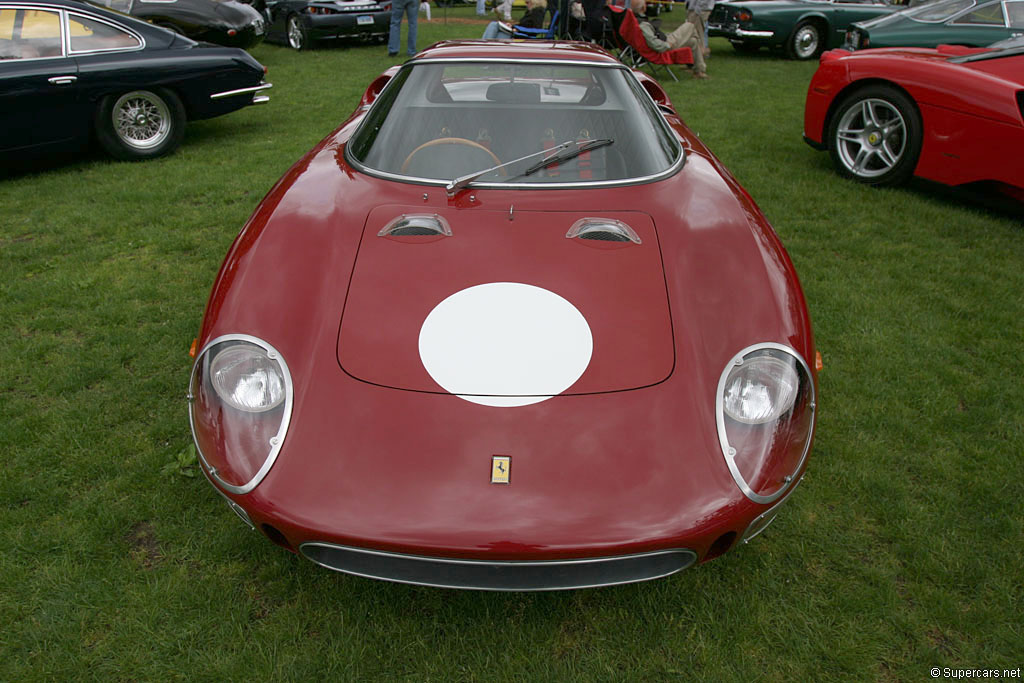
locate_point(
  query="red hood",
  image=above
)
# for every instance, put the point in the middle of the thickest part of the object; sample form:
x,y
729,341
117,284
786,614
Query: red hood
x,y
617,287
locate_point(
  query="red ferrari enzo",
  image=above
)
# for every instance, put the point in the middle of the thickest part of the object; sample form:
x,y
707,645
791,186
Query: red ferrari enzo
x,y
952,114
510,327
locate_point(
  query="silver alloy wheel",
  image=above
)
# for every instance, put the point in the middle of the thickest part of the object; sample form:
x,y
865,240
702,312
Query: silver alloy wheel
x,y
871,137
141,120
296,34
806,41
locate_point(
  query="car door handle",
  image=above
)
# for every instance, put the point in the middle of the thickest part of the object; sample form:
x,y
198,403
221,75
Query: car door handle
x,y
63,80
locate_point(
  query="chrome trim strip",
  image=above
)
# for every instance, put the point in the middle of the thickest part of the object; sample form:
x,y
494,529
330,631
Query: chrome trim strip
x,y
772,511
743,33
720,420
241,91
276,441
687,557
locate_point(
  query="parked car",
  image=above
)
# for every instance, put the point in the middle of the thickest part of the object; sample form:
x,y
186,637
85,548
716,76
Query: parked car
x,y
71,72
225,22
300,24
951,114
974,23
511,326
803,28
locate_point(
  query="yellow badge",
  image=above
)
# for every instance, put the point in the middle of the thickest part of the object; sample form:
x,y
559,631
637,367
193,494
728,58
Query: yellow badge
x,y
500,468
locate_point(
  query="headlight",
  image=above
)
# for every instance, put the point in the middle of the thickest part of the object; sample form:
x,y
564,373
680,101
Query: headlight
x,y
247,378
765,412
240,401
760,389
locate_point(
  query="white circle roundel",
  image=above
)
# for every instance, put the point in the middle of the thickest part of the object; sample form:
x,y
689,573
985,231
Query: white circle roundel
x,y
505,344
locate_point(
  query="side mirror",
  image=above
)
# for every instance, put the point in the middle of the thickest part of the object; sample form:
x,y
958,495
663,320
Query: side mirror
x,y
377,86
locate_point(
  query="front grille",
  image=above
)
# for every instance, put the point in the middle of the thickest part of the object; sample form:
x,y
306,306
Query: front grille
x,y
499,575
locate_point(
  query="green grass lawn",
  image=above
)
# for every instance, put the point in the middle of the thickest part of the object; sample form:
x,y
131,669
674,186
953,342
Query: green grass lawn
x,y
901,551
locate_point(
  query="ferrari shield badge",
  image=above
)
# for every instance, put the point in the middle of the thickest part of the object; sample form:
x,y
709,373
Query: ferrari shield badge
x,y
500,469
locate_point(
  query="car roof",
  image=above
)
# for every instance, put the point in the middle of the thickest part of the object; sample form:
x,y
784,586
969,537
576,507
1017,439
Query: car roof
x,y
530,50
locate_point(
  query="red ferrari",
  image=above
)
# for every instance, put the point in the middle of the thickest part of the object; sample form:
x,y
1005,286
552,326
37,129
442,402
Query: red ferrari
x,y
951,114
510,327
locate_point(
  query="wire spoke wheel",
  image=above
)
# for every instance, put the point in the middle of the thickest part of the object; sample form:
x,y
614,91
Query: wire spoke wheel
x,y
141,120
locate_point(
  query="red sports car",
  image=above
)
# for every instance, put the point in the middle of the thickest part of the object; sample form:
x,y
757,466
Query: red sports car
x,y
951,114
510,327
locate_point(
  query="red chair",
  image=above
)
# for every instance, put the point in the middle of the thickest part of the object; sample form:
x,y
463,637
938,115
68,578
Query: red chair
x,y
638,53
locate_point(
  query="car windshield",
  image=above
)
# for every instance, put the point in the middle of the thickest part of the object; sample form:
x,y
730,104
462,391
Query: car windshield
x,y
939,10
526,124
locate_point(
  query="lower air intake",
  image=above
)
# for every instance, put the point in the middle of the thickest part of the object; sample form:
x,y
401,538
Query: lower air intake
x,y
499,576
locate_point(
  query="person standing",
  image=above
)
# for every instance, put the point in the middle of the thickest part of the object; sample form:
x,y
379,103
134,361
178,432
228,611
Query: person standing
x,y
409,8
697,13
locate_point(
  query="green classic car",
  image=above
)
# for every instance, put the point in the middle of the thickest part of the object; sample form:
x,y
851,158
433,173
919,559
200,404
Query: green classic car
x,y
975,23
803,28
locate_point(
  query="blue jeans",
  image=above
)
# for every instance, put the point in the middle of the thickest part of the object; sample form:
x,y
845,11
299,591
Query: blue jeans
x,y
494,32
481,7
410,8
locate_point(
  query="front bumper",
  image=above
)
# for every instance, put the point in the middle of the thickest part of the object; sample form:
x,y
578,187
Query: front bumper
x,y
498,575
254,91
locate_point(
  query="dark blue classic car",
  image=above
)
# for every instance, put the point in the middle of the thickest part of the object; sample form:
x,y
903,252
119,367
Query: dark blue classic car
x,y
71,73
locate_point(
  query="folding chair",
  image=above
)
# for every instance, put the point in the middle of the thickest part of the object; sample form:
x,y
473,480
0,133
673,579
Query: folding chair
x,y
537,33
639,54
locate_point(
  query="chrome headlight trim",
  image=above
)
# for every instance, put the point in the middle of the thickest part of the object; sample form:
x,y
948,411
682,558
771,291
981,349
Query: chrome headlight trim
x,y
276,442
727,449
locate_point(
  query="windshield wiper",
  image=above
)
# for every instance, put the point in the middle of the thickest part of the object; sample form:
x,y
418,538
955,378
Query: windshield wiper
x,y
566,151
561,152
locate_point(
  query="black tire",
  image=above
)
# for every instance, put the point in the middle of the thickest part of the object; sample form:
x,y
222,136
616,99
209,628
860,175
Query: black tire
x,y
807,41
140,124
296,33
874,136
745,47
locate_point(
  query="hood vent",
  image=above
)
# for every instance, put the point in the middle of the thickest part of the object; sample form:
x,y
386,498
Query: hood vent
x,y
602,229
417,225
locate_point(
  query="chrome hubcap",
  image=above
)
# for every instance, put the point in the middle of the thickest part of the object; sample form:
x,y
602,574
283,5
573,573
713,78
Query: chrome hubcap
x,y
871,138
806,41
141,119
294,33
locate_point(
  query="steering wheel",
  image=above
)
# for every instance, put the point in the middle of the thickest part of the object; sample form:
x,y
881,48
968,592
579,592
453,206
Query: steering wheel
x,y
476,146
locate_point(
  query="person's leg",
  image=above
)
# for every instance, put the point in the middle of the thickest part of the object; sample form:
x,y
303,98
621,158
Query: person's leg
x,y
686,36
491,32
412,14
704,16
481,7
693,17
395,30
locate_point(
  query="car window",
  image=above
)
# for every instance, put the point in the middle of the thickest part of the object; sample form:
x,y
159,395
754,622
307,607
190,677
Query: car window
x,y
939,10
1015,14
29,34
89,35
124,6
441,121
992,13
